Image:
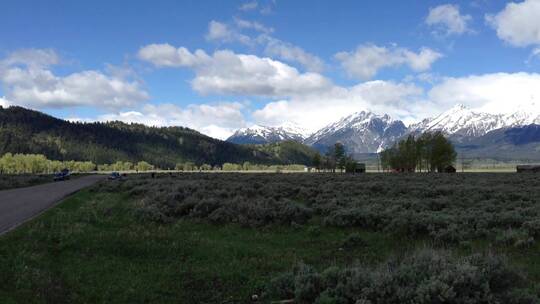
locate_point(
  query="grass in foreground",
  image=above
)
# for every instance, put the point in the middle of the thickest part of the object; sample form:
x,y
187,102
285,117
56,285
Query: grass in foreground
x,y
92,249
118,243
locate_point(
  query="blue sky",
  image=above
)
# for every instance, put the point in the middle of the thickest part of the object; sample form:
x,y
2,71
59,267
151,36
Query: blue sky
x,y
221,65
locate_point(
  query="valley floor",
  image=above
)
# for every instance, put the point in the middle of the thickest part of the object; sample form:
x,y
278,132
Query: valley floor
x,y
223,238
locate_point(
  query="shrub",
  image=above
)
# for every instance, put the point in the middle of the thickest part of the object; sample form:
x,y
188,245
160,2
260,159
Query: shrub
x,y
353,240
426,276
281,287
445,208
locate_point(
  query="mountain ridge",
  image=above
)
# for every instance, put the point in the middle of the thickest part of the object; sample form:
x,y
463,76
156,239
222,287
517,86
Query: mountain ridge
x,y
366,132
32,132
259,134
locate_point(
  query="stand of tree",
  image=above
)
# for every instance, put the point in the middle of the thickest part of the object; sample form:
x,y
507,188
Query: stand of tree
x,y
335,158
39,164
288,152
429,152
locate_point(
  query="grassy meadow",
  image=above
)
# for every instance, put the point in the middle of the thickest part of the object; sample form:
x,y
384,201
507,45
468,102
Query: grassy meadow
x,y
314,238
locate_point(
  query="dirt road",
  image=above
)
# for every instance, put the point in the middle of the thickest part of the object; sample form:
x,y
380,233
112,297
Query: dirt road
x,y
22,204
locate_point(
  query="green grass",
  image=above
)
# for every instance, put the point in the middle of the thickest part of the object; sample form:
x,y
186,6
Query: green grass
x,y
91,248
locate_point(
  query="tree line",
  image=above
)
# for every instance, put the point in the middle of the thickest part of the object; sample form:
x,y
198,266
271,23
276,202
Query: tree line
x,y
39,164
246,166
334,158
429,152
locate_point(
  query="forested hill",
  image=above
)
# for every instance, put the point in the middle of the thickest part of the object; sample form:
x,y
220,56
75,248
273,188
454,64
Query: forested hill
x,y
28,131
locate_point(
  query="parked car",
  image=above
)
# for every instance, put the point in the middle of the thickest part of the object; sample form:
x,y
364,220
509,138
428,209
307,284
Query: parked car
x,y
115,175
62,175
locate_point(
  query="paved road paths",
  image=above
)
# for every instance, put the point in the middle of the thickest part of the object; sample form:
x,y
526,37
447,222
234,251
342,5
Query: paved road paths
x,y
22,204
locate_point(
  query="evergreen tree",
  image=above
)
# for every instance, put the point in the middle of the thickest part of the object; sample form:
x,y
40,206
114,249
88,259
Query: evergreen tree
x,y
317,161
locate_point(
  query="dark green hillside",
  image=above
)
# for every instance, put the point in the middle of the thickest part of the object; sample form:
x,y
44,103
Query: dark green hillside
x,y
27,131
288,152
518,143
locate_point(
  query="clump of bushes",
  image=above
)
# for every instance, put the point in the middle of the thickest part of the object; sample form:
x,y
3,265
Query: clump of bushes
x,y
445,208
240,210
426,276
353,240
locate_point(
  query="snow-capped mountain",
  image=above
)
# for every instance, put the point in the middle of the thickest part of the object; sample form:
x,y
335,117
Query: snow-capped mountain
x,y
367,132
460,122
263,134
361,132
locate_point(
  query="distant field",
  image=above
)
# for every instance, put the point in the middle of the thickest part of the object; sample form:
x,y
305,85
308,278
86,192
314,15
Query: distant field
x,y
324,238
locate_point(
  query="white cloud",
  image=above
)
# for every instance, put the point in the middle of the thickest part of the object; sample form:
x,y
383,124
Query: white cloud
x,y
27,80
218,31
368,59
447,20
35,58
315,111
166,55
226,72
493,93
222,32
421,61
292,53
518,23
217,120
252,25
4,102
249,6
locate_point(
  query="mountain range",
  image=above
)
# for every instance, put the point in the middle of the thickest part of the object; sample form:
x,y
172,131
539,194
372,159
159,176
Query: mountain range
x,y
514,136
474,133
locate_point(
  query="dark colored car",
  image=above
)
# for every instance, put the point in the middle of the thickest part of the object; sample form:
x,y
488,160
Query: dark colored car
x,y
115,175
62,175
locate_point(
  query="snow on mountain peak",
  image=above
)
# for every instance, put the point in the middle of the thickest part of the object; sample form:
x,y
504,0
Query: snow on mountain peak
x,y
266,134
461,120
363,131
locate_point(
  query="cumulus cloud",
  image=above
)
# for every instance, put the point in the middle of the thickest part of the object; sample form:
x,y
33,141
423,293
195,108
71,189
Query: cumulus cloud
x,y
166,55
316,111
231,33
27,80
215,120
366,61
292,53
252,25
447,20
518,23
218,31
225,72
493,93
36,58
